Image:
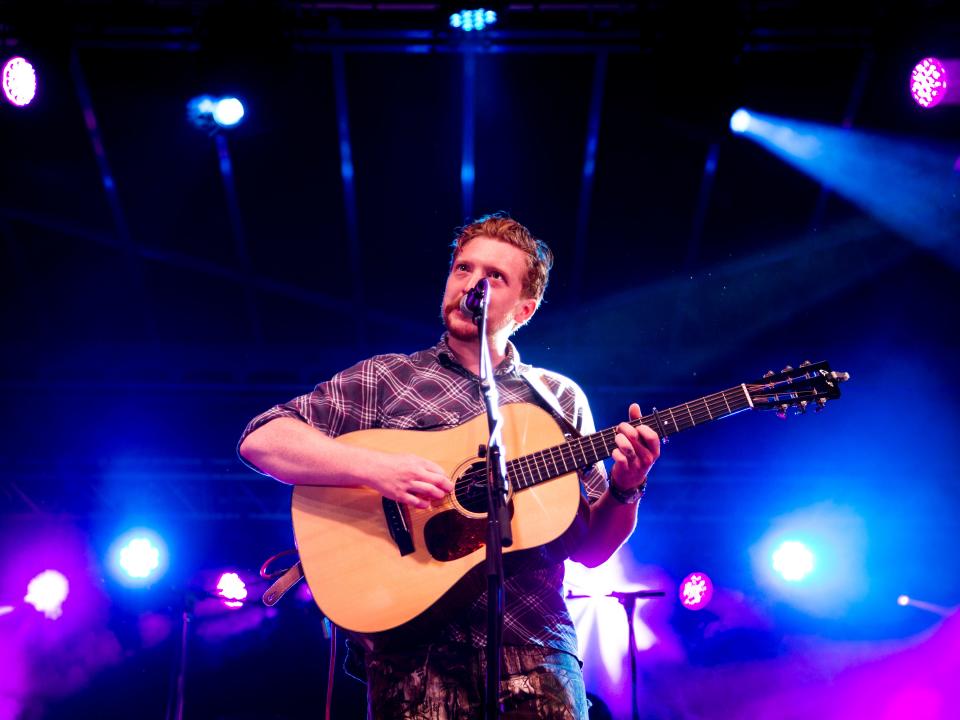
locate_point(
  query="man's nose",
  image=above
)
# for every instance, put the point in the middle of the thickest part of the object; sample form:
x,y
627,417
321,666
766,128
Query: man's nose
x,y
475,277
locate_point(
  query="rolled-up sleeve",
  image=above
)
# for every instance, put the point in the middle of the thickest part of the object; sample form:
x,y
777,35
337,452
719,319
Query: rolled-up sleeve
x,y
346,402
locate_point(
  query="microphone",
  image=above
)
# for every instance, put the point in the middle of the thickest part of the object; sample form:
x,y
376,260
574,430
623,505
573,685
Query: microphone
x,y
472,302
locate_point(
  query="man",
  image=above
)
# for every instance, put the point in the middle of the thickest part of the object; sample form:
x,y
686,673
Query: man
x,y
443,675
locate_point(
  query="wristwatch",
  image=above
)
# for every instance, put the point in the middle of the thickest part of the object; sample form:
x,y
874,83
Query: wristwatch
x,y
628,497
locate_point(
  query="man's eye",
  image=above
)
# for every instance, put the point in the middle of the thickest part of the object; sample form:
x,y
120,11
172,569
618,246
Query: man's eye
x,y
496,275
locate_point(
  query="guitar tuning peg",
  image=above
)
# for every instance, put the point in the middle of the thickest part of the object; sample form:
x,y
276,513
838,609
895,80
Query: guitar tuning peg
x,y
782,411
769,373
806,363
788,368
821,404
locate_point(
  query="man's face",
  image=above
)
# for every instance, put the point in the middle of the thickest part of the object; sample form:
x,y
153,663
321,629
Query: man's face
x,y
505,267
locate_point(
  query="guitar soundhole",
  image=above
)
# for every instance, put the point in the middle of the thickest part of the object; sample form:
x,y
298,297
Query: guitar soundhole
x,y
471,488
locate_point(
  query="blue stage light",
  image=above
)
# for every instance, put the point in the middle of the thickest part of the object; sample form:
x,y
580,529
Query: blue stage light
x,y
139,557
813,558
858,165
469,20
210,113
740,121
228,112
793,560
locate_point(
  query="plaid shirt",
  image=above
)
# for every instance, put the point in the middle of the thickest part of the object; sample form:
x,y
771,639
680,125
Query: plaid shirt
x,y
430,390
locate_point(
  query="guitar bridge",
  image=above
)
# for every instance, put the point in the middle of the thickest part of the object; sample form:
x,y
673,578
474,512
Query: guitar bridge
x,y
397,525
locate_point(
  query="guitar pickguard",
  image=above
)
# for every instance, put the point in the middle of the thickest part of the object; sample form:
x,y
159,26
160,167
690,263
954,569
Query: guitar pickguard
x,y
450,535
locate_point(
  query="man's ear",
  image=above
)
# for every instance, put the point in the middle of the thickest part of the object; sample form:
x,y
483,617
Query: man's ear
x,y
525,311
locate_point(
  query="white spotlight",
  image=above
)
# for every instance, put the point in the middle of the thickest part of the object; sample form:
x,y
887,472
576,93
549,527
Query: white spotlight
x,y
740,121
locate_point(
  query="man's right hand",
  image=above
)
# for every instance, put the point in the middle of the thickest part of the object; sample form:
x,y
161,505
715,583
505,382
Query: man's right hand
x,y
409,479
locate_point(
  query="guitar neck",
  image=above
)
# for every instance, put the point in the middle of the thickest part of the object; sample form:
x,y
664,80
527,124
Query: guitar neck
x,y
582,452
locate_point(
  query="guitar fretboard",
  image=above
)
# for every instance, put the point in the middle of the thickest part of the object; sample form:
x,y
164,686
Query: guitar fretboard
x,y
582,452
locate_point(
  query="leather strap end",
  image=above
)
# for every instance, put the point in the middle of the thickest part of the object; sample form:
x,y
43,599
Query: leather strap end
x,y
282,584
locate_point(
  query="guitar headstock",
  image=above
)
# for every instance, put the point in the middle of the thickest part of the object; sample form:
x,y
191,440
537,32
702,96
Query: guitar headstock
x,y
811,383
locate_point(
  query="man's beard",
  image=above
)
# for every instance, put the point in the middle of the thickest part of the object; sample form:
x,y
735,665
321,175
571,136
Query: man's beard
x,y
465,329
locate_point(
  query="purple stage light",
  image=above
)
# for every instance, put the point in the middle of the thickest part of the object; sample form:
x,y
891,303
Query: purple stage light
x,y
232,589
19,81
47,593
696,590
928,82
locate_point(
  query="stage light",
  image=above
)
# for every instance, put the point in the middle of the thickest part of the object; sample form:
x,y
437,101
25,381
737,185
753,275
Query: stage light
x,y
928,82
793,560
6,609
469,20
740,121
228,112
696,591
935,608
139,557
210,113
232,589
857,165
19,81
47,593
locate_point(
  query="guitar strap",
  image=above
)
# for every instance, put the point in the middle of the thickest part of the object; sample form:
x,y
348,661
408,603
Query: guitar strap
x,y
533,378
279,587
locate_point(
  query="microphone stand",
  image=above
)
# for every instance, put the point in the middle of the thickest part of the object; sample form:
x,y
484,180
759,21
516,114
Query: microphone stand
x,y
499,534
629,602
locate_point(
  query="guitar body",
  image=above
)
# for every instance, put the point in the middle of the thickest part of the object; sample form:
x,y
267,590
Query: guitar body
x,y
358,576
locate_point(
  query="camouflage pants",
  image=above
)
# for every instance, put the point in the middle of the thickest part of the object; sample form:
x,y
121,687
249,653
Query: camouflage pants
x,y
447,683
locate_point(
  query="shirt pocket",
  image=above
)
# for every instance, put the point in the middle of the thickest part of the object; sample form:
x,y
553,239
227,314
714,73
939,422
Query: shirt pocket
x,y
422,420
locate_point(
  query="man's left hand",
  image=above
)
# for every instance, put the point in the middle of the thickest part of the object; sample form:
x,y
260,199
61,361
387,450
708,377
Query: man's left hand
x,y
637,450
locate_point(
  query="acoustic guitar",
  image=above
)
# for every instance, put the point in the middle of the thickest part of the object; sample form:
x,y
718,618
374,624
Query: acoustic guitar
x,y
373,564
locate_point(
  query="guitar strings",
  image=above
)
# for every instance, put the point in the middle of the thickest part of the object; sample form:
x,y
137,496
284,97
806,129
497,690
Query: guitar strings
x,y
566,453
709,407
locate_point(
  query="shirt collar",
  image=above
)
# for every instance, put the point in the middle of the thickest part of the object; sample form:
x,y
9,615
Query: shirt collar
x,y
509,365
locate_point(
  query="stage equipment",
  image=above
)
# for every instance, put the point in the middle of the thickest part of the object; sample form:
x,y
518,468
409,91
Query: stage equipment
x,y
941,610
629,602
935,81
47,593
19,81
696,591
857,164
211,113
139,557
740,121
793,560
470,20
232,589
